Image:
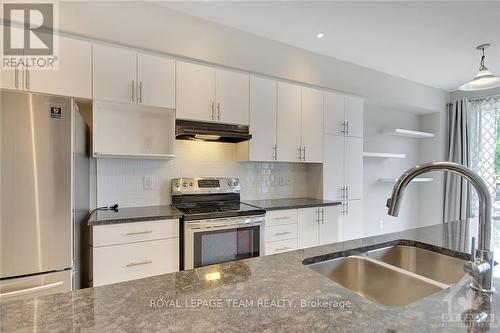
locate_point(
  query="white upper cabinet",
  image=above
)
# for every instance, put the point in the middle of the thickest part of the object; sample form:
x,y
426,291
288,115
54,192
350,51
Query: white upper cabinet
x,y
289,126
195,88
312,124
232,92
156,81
343,115
208,94
71,78
124,76
354,116
262,119
115,74
334,113
353,174
333,168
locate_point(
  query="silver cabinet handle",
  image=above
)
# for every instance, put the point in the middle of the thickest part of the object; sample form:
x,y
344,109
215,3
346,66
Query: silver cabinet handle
x,y
275,152
133,91
317,215
343,195
300,153
138,232
347,192
304,153
282,233
218,110
344,128
145,262
213,110
16,77
282,249
347,125
344,208
322,216
32,290
140,91
283,218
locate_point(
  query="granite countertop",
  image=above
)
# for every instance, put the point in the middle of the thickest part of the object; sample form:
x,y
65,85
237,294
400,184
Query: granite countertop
x,y
133,214
276,204
275,293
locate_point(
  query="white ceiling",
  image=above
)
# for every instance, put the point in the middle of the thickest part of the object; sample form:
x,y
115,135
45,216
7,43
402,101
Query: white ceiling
x,y
427,42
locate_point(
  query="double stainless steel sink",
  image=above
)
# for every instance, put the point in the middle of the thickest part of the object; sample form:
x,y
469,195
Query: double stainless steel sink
x,y
394,276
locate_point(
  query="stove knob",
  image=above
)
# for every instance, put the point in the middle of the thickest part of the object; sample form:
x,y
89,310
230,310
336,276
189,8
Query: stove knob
x,y
177,184
229,183
184,184
191,184
235,183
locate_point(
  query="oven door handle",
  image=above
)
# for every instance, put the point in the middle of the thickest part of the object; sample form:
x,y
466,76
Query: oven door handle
x,y
221,226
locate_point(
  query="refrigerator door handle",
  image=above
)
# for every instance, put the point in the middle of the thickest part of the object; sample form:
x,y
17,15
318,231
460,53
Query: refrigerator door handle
x,y
32,290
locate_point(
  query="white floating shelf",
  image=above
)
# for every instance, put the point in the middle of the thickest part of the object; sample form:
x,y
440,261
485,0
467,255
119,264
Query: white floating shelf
x,y
414,180
408,133
383,155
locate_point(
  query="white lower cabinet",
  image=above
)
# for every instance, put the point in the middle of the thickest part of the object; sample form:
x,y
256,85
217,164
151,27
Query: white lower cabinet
x,y
319,226
352,219
280,233
123,252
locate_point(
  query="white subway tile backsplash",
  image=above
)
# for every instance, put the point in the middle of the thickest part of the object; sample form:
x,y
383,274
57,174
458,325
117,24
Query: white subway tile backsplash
x,y
121,180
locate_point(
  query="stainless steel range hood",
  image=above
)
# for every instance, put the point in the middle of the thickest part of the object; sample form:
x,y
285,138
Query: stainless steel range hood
x,y
206,131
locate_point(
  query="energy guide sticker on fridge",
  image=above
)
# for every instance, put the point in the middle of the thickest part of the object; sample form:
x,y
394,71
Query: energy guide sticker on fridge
x,y
55,112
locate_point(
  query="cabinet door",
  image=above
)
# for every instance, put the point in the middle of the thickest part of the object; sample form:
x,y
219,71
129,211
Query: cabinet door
x,y
330,229
334,113
354,116
74,74
232,91
353,177
353,220
288,129
11,78
262,119
308,227
333,167
195,91
312,125
114,74
156,76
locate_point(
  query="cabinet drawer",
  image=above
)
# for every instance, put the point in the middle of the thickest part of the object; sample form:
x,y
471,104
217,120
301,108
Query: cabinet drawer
x,y
281,246
125,262
278,217
103,235
280,232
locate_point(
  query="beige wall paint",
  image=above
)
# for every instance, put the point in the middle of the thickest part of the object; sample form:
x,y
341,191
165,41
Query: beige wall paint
x,y
155,28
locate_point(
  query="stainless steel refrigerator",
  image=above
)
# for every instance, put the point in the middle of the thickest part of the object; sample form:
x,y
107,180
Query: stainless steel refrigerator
x,y
44,193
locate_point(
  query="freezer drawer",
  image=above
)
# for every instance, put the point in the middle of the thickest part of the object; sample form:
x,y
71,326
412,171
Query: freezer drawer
x,y
35,286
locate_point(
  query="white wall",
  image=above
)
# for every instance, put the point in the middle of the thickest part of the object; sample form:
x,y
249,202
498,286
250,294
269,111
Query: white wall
x,y
121,180
152,27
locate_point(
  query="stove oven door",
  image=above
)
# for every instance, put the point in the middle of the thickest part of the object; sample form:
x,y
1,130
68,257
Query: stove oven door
x,y
216,241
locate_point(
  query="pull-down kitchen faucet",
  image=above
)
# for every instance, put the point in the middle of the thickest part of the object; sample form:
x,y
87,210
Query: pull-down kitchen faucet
x,y
481,264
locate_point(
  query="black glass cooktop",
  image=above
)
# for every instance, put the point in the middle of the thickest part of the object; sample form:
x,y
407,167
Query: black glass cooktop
x,y
208,210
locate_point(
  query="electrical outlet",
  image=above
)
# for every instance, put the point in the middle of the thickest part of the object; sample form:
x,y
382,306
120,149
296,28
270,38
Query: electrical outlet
x,y
282,180
288,180
147,182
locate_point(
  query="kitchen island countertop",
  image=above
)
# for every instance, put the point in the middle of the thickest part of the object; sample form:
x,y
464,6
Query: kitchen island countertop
x,y
275,293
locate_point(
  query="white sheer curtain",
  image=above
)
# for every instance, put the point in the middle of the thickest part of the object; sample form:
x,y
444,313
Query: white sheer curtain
x,y
484,115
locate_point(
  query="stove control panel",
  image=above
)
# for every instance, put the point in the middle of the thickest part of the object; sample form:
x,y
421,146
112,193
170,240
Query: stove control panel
x,y
205,185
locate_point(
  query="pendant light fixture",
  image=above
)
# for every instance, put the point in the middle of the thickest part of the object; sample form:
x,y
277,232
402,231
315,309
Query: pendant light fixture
x,y
484,79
